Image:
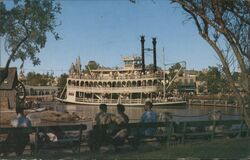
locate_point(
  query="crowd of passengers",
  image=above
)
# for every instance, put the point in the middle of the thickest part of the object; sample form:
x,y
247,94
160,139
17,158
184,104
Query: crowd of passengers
x,y
116,75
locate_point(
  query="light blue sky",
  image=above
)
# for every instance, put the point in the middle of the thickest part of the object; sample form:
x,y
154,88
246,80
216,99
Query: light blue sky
x,y
106,30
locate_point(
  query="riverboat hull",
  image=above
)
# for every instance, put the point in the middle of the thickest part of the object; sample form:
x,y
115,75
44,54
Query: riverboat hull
x,y
168,105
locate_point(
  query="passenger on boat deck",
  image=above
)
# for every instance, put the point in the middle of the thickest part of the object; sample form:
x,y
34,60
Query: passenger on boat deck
x,y
103,117
121,132
147,117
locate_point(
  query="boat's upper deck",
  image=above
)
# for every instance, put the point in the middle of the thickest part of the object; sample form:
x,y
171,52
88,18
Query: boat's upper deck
x,y
118,75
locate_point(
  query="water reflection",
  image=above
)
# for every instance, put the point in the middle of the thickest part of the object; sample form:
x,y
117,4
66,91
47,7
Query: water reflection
x,y
191,113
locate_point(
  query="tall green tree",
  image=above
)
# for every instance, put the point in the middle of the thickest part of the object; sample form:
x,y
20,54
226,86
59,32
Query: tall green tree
x,y
24,28
216,82
92,65
225,26
174,71
150,67
62,80
37,79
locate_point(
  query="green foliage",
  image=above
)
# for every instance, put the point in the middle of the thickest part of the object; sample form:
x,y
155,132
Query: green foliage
x,y
92,65
173,70
150,67
216,81
171,75
37,79
62,80
225,26
25,27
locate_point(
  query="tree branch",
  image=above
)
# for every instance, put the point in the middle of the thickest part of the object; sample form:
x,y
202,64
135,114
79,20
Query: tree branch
x,y
224,63
14,52
225,31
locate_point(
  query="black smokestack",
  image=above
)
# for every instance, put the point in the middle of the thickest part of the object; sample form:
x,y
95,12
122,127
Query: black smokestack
x,y
154,54
142,53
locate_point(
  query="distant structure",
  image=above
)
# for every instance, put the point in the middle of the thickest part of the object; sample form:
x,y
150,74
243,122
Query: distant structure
x,y
75,69
41,90
8,91
187,82
132,63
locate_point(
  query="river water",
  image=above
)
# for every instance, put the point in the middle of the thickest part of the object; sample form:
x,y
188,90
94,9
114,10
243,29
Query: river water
x,y
188,113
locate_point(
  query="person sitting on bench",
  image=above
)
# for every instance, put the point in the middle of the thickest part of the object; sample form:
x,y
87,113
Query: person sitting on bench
x,y
121,133
16,141
97,136
147,117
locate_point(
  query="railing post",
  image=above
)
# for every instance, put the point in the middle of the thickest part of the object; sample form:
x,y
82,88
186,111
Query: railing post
x,y
241,126
80,138
36,141
213,131
169,134
183,132
247,131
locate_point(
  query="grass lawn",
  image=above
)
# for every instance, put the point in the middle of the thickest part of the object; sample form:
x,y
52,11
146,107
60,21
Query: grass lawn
x,y
224,148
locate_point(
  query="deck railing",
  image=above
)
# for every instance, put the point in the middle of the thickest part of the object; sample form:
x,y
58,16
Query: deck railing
x,y
115,89
110,101
119,77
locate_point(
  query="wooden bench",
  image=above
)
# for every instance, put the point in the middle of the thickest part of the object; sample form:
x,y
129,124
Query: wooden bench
x,y
62,142
189,130
13,137
135,138
182,131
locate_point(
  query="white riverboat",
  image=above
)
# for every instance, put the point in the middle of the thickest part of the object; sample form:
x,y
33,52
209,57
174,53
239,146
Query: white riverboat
x,y
130,85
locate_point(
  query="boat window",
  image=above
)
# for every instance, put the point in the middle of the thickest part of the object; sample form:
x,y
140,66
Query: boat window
x,y
134,84
129,84
91,84
109,84
69,82
139,83
114,84
149,82
86,84
124,84
118,84
104,84
155,82
82,83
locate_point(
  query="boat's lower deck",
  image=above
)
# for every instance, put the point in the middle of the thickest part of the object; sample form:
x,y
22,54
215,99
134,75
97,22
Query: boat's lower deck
x,y
126,102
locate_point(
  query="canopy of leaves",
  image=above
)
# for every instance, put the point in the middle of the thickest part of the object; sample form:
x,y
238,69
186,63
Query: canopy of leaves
x,y
225,25
25,26
150,67
37,79
216,82
62,80
226,19
92,65
173,71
